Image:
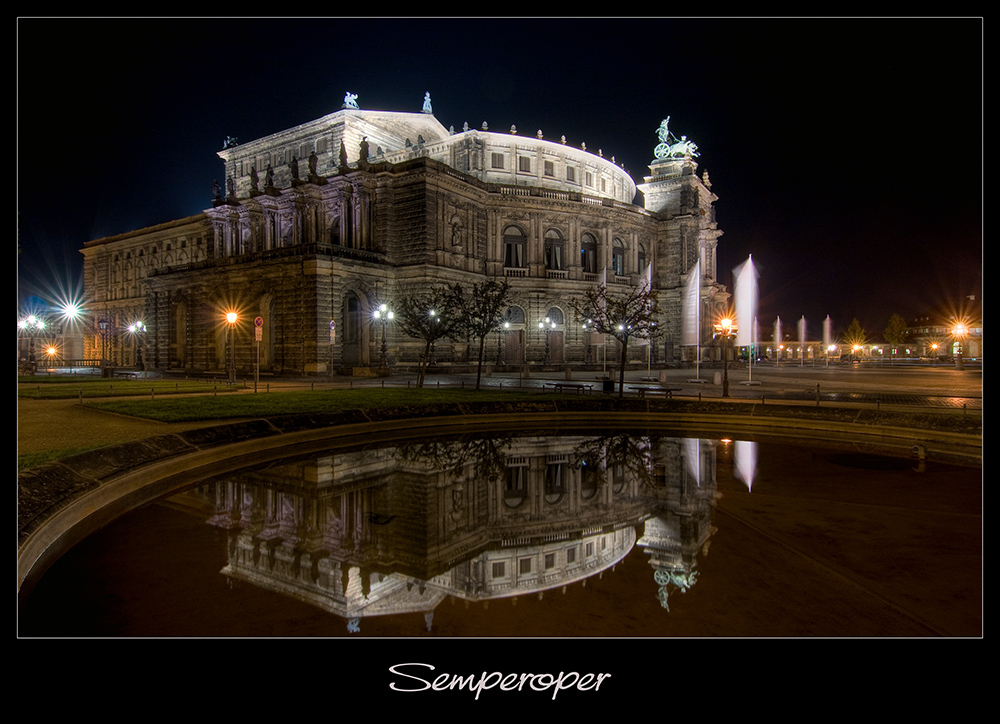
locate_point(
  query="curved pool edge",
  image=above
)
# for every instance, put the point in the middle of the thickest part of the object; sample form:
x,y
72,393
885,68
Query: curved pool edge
x,y
72,498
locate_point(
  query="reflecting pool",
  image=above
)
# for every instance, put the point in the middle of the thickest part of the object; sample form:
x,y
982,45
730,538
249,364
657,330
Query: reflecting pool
x,y
568,534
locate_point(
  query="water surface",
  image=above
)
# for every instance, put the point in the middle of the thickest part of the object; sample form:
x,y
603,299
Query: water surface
x,y
637,534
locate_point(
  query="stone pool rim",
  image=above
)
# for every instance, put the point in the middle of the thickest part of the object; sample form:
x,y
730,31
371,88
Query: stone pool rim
x,y
62,502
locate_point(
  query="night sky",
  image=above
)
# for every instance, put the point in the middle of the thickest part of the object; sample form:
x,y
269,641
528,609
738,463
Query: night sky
x,y
846,153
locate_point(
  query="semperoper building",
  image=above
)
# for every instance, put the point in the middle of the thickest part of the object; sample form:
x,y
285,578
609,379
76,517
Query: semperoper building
x,y
317,225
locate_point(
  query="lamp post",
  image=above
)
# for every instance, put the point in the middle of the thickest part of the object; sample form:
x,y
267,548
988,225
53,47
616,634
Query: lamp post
x,y
31,325
382,316
726,328
548,325
960,331
136,330
231,319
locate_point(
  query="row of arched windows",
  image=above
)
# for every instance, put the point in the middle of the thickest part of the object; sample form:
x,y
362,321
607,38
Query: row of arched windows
x,y
555,255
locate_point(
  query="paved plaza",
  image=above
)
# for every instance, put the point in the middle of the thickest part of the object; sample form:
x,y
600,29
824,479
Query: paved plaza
x,y
62,424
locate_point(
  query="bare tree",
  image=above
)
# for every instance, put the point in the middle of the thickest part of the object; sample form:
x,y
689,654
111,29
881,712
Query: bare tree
x,y
428,315
622,316
481,312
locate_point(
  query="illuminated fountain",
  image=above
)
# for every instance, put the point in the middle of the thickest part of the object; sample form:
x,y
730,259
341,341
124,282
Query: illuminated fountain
x,y
827,337
777,341
802,341
691,316
746,295
745,461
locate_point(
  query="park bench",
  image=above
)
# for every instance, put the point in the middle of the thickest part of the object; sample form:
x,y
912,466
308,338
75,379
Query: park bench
x,y
571,386
668,392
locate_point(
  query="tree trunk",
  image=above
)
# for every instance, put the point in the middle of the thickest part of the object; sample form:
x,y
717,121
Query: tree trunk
x,y
621,369
479,368
422,367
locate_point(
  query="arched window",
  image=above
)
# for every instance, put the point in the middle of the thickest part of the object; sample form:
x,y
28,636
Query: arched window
x,y
618,257
554,315
514,248
553,250
588,253
642,259
515,486
514,315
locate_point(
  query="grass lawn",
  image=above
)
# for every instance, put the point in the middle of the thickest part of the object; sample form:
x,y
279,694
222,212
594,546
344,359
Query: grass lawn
x,y
210,407
64,387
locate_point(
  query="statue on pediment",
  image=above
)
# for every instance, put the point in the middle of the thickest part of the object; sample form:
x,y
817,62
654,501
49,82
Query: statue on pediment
x,y
672,147
427,103
351,100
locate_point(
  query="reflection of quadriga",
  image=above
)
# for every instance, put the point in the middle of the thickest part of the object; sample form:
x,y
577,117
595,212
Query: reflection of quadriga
x,y
392,530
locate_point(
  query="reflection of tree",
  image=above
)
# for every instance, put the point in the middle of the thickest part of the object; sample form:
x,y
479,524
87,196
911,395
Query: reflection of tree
x,y
487,455
625,455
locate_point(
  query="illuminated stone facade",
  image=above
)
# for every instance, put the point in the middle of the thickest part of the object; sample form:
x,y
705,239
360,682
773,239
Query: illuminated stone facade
x,y
315,225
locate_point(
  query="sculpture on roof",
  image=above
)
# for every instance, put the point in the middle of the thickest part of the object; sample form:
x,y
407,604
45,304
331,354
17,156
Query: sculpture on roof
x,y
427,103
672,147
351,100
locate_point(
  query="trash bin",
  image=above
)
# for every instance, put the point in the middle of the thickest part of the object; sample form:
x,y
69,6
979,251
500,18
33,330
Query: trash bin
x,y
609,386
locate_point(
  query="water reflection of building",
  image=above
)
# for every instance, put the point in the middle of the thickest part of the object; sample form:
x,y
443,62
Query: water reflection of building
x,y
682,524
397,530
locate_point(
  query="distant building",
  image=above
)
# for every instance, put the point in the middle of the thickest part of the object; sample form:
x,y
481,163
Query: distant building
x,y
316,225
946,332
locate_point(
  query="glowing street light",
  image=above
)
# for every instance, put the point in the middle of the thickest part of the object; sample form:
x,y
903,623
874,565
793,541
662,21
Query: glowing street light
x,y
383,315
726,328
231,319
31,325
136,330
960,331
548,326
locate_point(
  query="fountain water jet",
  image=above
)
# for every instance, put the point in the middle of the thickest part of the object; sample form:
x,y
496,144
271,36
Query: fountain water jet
x,y
746,296
827,337
691,314
802,341
777,341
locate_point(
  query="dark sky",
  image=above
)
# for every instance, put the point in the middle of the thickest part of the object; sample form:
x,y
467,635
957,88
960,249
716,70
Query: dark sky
x,y
846,153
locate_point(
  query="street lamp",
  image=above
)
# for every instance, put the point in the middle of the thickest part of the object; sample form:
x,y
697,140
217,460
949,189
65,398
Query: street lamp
x,y
548,325
960,331
231,319
726,328
31,325
501,331
135,330
383,315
